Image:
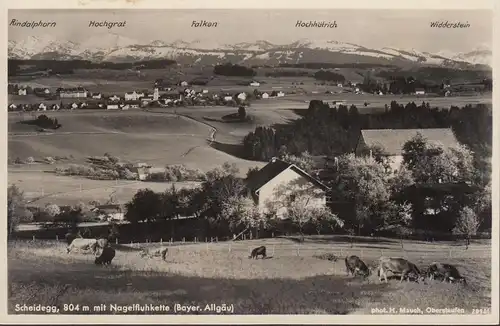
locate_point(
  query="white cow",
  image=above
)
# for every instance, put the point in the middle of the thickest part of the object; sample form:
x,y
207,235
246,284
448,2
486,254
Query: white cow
x,y
83,244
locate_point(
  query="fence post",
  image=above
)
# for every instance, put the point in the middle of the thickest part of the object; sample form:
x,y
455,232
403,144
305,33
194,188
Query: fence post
x,y
229,247
161,241
273,250
183,239
207,245
298,250
57,237
116,240
216,239
33,238
206,239
272,235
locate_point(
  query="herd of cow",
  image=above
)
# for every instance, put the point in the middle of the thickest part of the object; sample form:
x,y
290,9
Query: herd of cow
x,y
354,265
397,266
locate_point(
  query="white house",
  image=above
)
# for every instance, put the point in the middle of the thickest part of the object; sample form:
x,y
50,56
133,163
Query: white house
x,y
112,107
12,106
254,83
205,91
114,98
184,83
133,96
393,140
419,91
22,91
242,96
97,96
265,95
109,212
280,94
447,93
278,183
228,98
42,107
340,85
74,106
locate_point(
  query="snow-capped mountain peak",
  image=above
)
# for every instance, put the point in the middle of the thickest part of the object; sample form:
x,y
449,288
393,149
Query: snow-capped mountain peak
x,y
111,47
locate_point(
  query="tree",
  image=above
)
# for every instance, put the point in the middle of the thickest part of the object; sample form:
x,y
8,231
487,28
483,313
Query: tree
x,y
302,204
240,212
242,113
146,205
16,208
365,183
52,210
304,161
434,164
467,224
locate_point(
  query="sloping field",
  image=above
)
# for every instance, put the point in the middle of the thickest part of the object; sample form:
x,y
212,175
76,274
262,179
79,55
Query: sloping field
x,y
43,188
291,281
159,139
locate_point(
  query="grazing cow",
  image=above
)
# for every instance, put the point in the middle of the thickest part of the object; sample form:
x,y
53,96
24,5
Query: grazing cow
x,y
446,272
83,244
259,251
70,236
106,256
164,253
356,266
398,266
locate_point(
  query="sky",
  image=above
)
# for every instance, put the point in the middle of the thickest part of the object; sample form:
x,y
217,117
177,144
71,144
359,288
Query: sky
x,y
403,29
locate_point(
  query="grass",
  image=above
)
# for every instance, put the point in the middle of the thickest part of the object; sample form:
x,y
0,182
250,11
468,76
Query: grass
x,y
65,190
292,281
158,139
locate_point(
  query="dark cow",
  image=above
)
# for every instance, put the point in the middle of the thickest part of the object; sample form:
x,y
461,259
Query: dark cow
x,y
106,256
398,266
446,272
259,251
164,253
355,266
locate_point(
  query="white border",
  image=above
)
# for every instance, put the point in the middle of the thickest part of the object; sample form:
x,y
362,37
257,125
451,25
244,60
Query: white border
x,y
254,4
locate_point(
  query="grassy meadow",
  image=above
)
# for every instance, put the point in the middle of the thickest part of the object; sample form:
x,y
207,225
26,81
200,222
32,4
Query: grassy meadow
x,y
292,280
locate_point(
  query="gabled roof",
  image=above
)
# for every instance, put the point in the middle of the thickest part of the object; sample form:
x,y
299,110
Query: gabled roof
x,y
273,169
392,140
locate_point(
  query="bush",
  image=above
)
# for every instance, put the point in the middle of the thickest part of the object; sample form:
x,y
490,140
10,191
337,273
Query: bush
x,y
177,172
49,160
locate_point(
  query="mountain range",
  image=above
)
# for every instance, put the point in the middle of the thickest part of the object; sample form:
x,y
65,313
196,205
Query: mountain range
x,y
118,48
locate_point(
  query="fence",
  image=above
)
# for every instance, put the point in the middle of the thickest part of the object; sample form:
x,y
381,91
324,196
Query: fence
x,y
410,251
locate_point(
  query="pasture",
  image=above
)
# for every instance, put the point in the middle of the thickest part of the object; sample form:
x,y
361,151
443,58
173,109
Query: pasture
x,y
292,280
42,188
136,136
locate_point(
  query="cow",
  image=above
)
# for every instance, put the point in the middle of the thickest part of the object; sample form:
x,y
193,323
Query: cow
x,y
83,244
70,236
164,253
106,256
355,266
398,266
446,272
259,251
